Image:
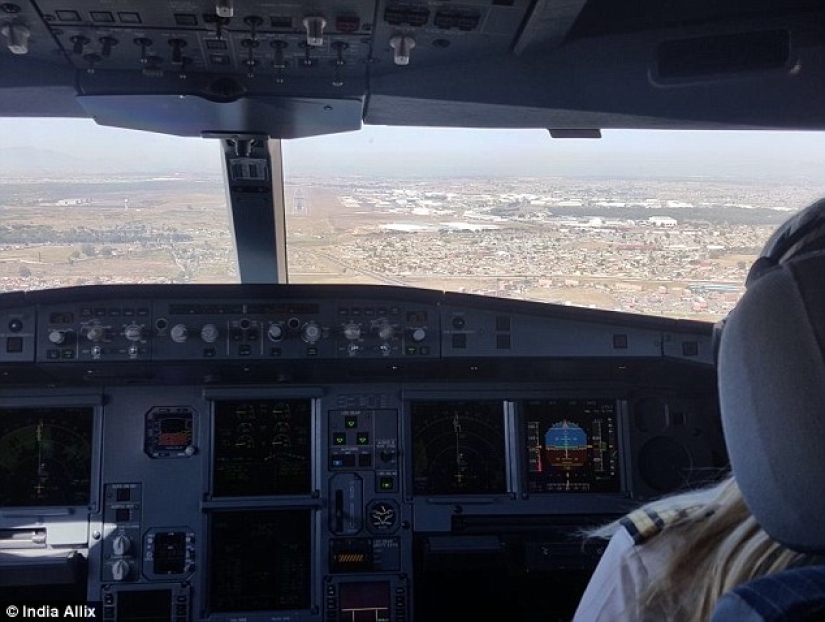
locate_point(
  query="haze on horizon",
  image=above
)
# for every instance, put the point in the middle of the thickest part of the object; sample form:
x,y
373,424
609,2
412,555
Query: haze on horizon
x,y
80,146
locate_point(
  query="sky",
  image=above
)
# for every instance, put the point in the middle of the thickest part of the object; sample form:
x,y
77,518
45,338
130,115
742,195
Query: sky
x,y
435,152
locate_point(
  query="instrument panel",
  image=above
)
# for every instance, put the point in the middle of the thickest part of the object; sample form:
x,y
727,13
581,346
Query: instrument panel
x,y
351,476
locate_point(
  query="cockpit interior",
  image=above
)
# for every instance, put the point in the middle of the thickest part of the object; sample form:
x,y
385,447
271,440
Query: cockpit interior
x,y
278,452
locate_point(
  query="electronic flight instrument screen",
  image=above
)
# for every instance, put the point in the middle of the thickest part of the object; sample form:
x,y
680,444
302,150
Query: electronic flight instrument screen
x,y
45,456
571,446
458,447
262,447
260,560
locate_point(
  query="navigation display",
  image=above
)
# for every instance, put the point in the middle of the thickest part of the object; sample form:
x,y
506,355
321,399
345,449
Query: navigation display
x,y
571,446
260,560
262,447
45,456
458,447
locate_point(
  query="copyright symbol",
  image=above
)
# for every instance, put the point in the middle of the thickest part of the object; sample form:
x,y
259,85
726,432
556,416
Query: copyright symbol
x,y
12,611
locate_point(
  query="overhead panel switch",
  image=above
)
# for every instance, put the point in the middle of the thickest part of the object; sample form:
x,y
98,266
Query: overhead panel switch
x,y
315,30
17,38
402,45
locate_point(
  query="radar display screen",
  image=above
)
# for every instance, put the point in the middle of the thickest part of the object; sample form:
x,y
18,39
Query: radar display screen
x,y
571,446
262,447
260,560
45,456
458,447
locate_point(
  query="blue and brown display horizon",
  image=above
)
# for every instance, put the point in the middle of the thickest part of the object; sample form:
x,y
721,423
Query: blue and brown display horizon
x,y
571,446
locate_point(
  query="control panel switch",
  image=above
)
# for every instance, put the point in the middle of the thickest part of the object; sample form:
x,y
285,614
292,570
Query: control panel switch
x,y
178,333
17,38
120,570
120,545
402,46
315,30
224,9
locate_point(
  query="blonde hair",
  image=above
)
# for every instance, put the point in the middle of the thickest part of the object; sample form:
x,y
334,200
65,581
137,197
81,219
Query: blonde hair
x,y
722,546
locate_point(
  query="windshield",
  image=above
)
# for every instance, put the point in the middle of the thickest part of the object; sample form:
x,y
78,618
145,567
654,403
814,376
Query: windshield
x,y
654,222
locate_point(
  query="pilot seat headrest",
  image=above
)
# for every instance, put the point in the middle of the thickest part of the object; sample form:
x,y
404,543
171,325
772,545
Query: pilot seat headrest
x,y
771,366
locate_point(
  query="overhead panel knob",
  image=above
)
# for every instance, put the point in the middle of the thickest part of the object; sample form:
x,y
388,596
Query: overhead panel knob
x,y
385,332
352,331
57,337
179,333
402,45
419,334
311,332
315,30
133,332
224,9
275,332
95,332
210,333
17,38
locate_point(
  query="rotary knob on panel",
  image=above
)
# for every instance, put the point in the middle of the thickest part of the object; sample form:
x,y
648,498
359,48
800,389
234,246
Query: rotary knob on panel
x,y
311,332
59,337
385,331
275,332
121,545
95,332
352,331
210,333
120,570
179,333
134,332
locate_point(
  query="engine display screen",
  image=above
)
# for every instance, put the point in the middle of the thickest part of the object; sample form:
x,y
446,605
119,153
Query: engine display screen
x,y
458,447
260,560
571,446
45,456
262,447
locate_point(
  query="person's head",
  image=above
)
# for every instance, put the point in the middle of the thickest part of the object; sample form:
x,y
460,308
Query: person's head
x,y
772,384
771,366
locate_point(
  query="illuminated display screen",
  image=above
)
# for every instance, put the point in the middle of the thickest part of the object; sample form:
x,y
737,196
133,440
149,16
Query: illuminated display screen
x,y
169,432
571,446
262,447
458,447
260,560
45,456
364,602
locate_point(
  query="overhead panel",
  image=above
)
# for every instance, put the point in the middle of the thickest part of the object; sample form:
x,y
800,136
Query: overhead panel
x,y
445,32
276,40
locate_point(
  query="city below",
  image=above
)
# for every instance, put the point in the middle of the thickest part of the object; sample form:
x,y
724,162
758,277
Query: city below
x,y
678,248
